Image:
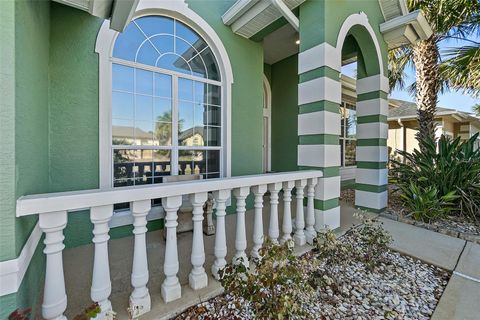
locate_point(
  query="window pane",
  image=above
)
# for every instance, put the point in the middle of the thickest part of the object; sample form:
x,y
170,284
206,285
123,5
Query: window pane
x,y
341,152
185,89
200,115
185,161
127,43
214,95
123,162
342,121
163,134
162,110
163,85
184,32
350,146
199,161
163,43
211,63
122,105
143,107
213,161
185,123
143,82
214,116
147,54
200,92
173,62
198,136
213,136
152,25
122,78
142,168
161,164
144,133
122,132
351,122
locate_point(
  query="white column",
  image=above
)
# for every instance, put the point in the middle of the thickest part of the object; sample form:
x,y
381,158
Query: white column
x,y
101,284
287,211
140,298
258,191
240,234
299,235
171,289
221,197
273,231
198,277
54,295
310,232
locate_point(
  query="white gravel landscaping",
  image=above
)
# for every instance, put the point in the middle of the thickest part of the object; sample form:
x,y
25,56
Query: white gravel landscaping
x,y
400,287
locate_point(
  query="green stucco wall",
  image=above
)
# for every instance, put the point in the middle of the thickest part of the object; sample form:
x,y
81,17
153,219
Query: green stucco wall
x,y
24,60
284,84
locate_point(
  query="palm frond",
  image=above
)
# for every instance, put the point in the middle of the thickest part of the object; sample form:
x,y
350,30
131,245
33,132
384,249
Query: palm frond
x,y
462,69
398,60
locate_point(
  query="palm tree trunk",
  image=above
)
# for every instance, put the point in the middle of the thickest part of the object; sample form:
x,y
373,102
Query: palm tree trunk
x,y
425,58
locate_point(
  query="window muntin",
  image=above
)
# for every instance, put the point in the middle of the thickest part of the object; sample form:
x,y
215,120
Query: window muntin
x,y
166,103
348,143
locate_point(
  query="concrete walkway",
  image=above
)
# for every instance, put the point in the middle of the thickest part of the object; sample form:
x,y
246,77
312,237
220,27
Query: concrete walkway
x,y
461,298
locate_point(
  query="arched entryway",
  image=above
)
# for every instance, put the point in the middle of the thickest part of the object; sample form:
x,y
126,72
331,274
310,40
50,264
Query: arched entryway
x,y
319,119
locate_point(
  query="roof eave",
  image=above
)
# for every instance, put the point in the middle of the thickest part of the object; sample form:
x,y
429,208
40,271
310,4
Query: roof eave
x,y
406,29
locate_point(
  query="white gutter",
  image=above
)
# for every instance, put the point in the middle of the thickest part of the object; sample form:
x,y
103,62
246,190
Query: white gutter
x,y
287,13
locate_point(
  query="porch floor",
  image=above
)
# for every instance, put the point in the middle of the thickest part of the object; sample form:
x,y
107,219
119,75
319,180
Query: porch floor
x,y
78,264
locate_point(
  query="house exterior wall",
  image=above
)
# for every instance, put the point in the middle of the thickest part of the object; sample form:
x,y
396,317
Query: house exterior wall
x,y
54,113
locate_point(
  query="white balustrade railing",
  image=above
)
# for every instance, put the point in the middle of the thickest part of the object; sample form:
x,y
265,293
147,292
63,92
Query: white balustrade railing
x,y
52,210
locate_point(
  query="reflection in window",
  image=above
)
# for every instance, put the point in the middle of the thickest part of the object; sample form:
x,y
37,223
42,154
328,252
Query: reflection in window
x,y
166,103
348,134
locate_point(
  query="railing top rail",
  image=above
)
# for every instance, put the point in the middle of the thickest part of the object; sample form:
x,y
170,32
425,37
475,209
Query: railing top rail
x,y
84,199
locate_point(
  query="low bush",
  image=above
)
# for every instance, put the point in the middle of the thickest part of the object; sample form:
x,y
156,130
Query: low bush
x,y
448,171
273,284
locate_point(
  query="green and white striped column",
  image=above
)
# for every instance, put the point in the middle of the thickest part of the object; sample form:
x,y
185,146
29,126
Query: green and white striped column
x,y
372,133
319,97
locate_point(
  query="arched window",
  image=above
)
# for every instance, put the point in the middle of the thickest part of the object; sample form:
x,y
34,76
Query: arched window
x,y
166,103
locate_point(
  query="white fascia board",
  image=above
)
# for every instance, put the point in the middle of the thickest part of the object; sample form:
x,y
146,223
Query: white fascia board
x,y
414,20
122,14
237,10
100,8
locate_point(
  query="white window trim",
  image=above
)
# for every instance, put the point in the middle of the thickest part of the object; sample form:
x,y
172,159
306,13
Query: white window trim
x,y
343,138
267,112
104,47
178,10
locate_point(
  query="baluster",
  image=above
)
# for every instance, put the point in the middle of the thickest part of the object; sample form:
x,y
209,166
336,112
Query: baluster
x,y
54,295
287,211
273,231
258,191
221,197
198,277
140,298
171,289
310,232
241,235
101,284
299,235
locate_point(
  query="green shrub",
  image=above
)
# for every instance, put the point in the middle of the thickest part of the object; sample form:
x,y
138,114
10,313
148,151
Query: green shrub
x,y
274,284
425,202
452,170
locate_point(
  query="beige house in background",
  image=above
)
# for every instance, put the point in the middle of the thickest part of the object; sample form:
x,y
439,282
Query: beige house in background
x,y
402,125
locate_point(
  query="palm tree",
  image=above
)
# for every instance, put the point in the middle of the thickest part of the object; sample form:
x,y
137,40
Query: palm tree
x,y
449,19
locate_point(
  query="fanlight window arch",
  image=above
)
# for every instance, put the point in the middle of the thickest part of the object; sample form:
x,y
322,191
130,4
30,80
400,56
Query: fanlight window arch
x,y
166,103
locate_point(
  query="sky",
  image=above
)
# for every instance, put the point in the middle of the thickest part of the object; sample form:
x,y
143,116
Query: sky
x,y
453,99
